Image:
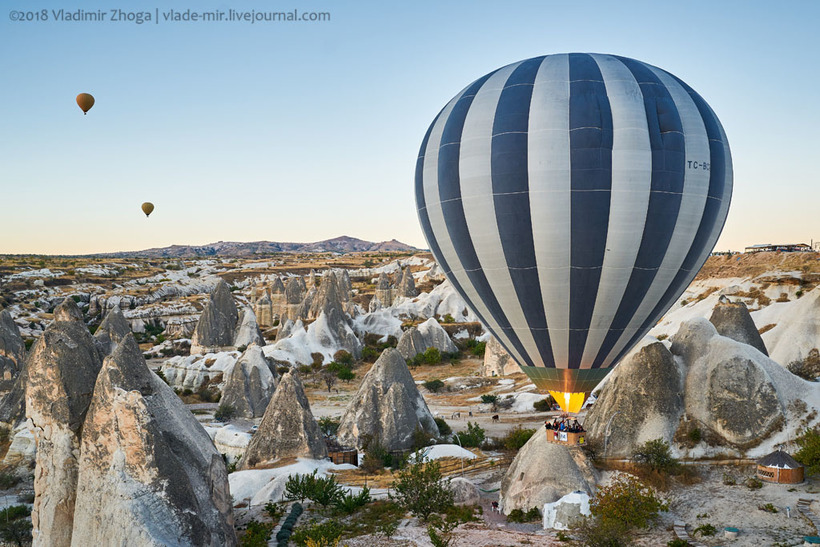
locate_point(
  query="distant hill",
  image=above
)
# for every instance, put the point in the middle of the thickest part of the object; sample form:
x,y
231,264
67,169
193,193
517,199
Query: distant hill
x,y
343,244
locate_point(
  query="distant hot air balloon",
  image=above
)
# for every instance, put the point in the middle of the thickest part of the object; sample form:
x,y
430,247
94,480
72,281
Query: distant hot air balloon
x,y
85,101
147,208
570,200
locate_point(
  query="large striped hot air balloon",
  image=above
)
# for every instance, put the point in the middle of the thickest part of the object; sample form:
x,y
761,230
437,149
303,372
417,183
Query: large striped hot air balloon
x,y
570,200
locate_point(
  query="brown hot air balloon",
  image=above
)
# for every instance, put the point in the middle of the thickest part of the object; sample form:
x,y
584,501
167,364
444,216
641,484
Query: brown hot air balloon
x,y
85,101
147,208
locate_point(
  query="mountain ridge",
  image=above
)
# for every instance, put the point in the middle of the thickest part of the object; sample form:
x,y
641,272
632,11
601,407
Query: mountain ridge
x,y
341,244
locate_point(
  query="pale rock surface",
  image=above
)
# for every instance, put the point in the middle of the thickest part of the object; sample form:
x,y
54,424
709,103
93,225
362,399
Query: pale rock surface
x,y
387,407
729,386
218,322
464,492
288,428
23,447
797,332
111,331
192,371
562,514
149,473
12,348
62,370
247,330
642,400
427,335
497,362
251,383
407,285
543,472
732,320
231,441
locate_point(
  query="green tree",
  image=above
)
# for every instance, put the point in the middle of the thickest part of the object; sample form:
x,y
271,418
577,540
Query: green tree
x,y
473,437
655,455
421,489
433,386
809,452
628,501
346,375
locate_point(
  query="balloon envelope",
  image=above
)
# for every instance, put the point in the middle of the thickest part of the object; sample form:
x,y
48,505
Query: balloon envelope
x,y
147,208
571,199
85,101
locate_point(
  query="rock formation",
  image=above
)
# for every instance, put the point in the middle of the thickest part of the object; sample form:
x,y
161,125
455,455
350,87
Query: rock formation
x,y
732,320
427,335
641,400
62,371
264,310
387,408
288,428
543,472
497,362
407,285
218,322
148,472
328,303
222,326
12,348
383,297
729,391
111,331
797,332
247,330
464,492
250,384
294,295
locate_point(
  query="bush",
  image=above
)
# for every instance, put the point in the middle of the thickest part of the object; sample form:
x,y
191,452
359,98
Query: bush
x,y
281,371
544,405
479,349
328,425
695,435
224,413
448,319
376,457
704,530
592,532
256,535
345,375
655,455
349,503
769,508
15,526
343,357
432,356
326,533
517,438
8,480
317,357
628,501
421,489
677,542
369,354
433,386
473,437
489,400
753,483
422,439
444,428
324,491
518,515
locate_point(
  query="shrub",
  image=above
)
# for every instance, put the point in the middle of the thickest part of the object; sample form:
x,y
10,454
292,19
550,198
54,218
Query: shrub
x,y
444,428
343,357
592,532
5,434
345,375
421,438
729,480
544,405
517,438
369,354
677,542
432,356
421,489
281,371
489,400
448,319
433,386
628,501
769,508
187,392
753,483
473,437
695,435
317,357
656,456
348,503
224,413
257,534
376,457
326,533
705,530
518,515
328,425
479,349
7,480
15,527
324,491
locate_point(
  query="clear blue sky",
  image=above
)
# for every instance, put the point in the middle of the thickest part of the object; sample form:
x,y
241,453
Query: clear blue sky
x,y
305,131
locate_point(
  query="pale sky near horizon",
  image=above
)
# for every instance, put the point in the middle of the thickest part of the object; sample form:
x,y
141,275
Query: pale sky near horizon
x,y
307,131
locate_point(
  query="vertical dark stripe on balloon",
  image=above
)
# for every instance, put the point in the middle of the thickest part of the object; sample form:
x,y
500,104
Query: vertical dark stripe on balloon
x,y
510,179
708,223
668,148
449,187
427,228
590,137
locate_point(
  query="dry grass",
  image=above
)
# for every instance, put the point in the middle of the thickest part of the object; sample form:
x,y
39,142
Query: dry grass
x,y
766,328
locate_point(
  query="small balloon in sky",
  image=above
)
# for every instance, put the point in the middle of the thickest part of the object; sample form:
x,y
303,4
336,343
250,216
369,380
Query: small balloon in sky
x,y
147,208
85,101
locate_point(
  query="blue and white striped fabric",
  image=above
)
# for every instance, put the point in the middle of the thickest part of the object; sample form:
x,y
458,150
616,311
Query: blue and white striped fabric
x,y
571,199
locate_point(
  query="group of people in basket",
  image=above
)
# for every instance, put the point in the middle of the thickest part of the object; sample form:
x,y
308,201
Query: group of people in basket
x,y
564,424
